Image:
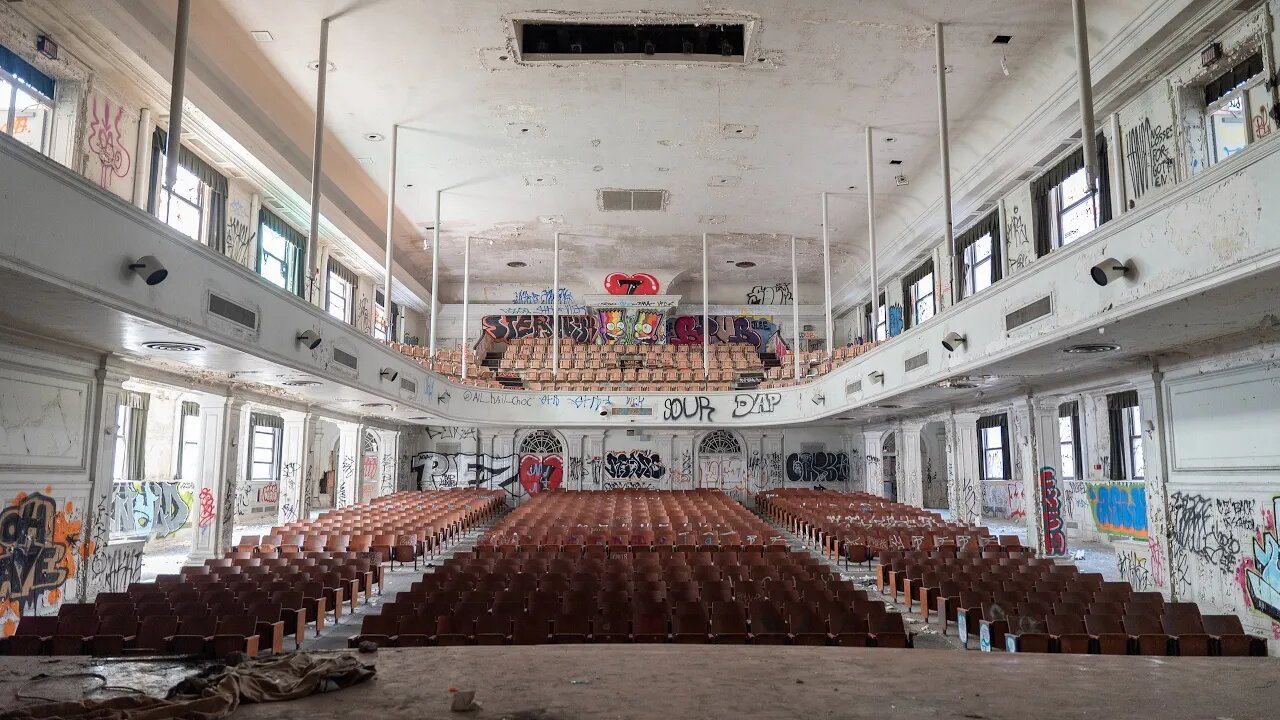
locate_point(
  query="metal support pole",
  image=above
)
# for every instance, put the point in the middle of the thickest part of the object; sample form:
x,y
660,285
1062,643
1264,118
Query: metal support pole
x,y
1086,94
944,143
391,224
466,301
555,308
871,240
826,277
1120,187
177,89
317,151
140,174
706,314
435,282
795,308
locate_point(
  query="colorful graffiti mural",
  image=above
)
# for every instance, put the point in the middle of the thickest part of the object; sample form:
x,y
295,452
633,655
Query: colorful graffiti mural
x,y
155,509
1262,581
1055,534
617,283
759,331
38,548
541,472
1119,509
579,328
630,327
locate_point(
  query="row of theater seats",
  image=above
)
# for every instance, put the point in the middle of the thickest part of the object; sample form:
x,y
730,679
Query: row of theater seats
x,y
228,604
498,596
996,590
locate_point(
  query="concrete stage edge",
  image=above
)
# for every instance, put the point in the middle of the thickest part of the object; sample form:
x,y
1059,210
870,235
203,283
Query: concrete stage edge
x,y
697,681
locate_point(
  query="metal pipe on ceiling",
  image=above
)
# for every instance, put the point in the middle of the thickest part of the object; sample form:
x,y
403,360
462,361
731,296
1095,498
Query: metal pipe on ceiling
x,y
795,309
706,315
555,308
944,144
1086,93
177,88
871,239
466,301
435,283
317,152
826,276
391,223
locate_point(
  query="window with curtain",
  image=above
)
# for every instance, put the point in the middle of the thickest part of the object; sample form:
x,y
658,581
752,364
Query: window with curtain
x,y
881,323
339,298
1230,101
196,205
1124,422
917,288
993,447
381,324
26,102
189,442
1064,207
131,437
280,251
264,447
978,256
1069,440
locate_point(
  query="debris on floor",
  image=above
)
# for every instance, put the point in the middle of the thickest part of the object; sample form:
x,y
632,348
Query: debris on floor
x,y
464,701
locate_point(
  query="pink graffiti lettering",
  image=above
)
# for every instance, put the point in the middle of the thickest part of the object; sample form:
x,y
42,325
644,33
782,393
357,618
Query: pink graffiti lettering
x,y
207,511
105,141
1055,537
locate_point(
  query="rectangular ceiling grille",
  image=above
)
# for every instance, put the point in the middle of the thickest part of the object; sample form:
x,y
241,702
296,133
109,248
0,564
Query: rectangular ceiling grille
x,y
342,357
853,388
1029,313
720,42
234,312
916,362
408,385
632,200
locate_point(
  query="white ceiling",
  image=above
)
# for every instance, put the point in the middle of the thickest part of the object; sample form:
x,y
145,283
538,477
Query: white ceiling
x,y
829,69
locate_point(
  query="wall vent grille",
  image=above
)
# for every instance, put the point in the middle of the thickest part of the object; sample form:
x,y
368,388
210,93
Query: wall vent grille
x,y
853,388
916,362
632,200
408,385
342,357
234,312
1029,313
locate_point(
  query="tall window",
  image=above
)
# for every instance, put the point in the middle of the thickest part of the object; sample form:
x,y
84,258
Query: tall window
x,y
280,250
196,203
978,255
1128,462
1232,100
917,287
264,443
26,102
131,437
182,206
1065,208
341,284
1069,440
189,442
881,321
993,447
381,320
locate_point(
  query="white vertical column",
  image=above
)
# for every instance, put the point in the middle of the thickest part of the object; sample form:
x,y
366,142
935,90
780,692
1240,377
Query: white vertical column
x,y
142,170
299,427
874,462
826,276
349,455
871,240
106,399
555,308
221,428
435,284
795,309
1085,78
466,306
317,152
963,482
389,444
910,467
706,314
391,224
944,142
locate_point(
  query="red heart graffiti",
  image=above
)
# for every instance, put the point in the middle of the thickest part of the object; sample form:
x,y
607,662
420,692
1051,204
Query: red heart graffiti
x,y
635,284
541,473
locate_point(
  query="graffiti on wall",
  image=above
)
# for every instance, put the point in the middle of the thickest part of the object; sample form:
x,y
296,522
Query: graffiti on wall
x,y
1262,581
629,327
440,471
617,283
579,328
1134,568
38,548
634,465
895,321
106,141
289,485
759,331
1055,533
1119,509
697,407
764,403
155,509
777,294
1262,122
242,233
544,296
1149,156
1021,252
117,566
541,472
818,468
208,512
1208,529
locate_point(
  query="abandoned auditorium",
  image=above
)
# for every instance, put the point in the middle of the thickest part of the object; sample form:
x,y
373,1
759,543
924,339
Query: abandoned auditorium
x,y
552,361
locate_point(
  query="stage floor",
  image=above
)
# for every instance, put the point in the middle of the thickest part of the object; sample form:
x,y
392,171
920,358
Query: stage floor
x,y
669,681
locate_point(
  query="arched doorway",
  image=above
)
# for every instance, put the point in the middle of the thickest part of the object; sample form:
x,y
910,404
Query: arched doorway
x,y
889,465
722,464
541,463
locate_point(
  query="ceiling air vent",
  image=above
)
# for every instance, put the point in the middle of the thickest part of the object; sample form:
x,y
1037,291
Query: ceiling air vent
x,y
584,40
408,385
342,357
1029,313
236,313
916,362
632,200
630,411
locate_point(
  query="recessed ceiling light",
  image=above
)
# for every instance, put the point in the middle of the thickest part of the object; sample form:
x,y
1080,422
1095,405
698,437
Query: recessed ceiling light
x,y
301,383
503,58
1002,40
744,264
853,187
1090,348
315,65
517,264
261,35
374,137
165,346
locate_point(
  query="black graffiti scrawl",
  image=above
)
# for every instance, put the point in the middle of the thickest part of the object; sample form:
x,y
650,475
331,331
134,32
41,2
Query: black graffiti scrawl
x,y
634,464
31,559
819,467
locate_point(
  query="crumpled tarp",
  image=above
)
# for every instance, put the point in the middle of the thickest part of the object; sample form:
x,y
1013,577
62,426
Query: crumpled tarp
x,y
217,693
